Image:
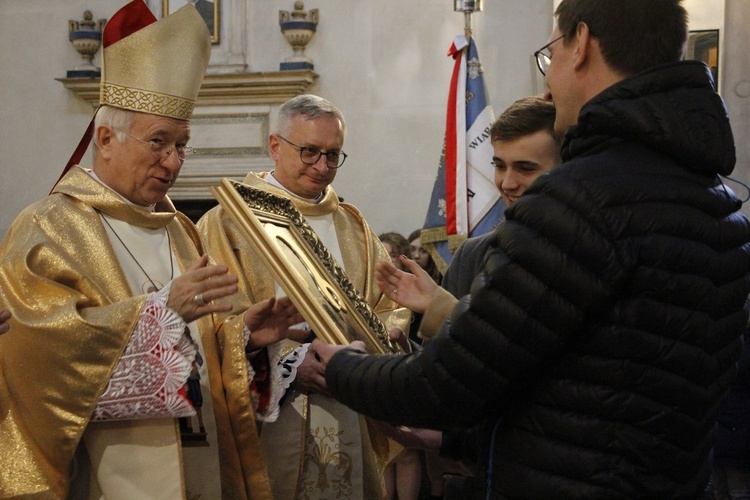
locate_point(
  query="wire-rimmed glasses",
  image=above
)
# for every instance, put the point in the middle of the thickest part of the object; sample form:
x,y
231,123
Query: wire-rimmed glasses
x,y
311,156
542,59
162,149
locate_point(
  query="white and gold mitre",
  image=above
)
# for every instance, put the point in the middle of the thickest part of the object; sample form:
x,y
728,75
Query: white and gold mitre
x,y
149,65
154,66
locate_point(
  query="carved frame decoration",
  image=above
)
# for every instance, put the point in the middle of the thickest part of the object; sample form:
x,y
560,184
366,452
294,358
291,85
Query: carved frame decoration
x,y
303,267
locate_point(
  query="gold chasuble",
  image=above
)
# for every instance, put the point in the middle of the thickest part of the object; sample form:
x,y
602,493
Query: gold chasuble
x,y
317,448
73,315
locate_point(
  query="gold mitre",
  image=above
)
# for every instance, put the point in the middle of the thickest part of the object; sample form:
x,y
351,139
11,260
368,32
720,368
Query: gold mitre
x,y
158,68
150,66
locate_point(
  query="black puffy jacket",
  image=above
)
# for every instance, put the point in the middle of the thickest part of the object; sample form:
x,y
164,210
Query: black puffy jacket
x,y
598,343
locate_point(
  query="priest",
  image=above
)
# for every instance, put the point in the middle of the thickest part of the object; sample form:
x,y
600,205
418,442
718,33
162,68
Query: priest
x,y
313,446
113,301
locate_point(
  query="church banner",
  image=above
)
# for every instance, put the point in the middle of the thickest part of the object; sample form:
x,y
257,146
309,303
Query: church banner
x,y
464,201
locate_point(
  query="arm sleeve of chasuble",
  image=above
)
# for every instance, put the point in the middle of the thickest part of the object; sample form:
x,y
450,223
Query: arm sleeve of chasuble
x,y
226,245
72,319
149,379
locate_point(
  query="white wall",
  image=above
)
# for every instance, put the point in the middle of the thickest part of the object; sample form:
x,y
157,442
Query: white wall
x,y
40,122
382,62
735,83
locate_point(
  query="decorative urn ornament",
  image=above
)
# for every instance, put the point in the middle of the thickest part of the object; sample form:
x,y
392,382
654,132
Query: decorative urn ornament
x,y
86,37
298,27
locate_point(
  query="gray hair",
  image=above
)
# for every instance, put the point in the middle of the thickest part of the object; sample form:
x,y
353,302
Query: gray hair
x,y
308,105
119,120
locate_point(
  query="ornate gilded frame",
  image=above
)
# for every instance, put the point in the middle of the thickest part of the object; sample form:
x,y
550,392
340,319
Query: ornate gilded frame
x,y
703,45
303,267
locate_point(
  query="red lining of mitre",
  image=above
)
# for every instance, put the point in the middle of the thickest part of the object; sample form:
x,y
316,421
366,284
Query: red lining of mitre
x,y
126,21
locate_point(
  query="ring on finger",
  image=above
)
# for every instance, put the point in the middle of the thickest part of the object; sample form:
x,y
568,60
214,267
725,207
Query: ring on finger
x,y
199,300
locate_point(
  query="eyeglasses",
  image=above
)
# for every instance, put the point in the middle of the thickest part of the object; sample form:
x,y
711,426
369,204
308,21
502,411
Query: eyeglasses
x,y
542,59
162,149
311,156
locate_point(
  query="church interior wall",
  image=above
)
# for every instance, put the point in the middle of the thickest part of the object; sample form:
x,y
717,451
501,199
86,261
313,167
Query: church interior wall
x,y
382,62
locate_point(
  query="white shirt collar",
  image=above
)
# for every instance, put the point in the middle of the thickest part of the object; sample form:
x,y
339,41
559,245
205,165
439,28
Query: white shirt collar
x,y
274,182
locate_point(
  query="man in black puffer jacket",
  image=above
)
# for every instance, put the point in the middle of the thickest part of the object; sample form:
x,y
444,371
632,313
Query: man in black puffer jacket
x,y
598,343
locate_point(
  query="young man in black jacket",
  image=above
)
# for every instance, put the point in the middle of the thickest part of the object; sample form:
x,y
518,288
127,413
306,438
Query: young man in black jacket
x,y
598,343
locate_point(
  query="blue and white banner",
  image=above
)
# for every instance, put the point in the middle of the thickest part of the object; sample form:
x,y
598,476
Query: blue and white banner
x,y
465,201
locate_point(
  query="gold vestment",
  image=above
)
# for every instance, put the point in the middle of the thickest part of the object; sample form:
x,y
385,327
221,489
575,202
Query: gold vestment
x,y
73,314
360,250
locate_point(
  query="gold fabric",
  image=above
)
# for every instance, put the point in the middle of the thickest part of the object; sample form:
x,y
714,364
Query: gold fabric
x,y
73,314
360,249
159,68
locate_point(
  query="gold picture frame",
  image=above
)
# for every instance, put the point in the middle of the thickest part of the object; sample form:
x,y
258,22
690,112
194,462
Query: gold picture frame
x,y
208,9
703,45
303,267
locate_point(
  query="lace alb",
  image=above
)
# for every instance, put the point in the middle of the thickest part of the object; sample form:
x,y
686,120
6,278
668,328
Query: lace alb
x,y
149,379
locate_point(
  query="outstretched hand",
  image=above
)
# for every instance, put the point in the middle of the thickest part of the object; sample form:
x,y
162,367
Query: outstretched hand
x,y
270,320
326,351
311,374
197,292
414,291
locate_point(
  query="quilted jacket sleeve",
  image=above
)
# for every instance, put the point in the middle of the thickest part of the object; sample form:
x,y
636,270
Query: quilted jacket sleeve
x,y
550,265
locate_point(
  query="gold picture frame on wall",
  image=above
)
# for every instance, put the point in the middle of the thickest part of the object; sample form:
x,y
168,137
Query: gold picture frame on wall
x,y
703,45
208,9
303,267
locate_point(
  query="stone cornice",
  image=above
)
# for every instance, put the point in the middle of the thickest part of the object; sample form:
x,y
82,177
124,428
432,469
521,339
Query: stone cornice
x,y
273,87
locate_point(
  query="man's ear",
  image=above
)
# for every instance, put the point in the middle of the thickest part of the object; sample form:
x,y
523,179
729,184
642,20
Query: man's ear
x,y
105,136
583,40
273,146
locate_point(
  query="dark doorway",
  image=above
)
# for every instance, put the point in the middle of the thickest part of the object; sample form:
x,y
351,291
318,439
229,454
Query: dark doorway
x,y
194,209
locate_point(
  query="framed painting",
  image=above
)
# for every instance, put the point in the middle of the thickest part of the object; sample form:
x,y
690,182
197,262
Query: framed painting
x,y
208,9
303,267
703,46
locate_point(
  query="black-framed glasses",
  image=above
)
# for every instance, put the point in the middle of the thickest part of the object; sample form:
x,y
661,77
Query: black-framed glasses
x,y
310,156
542,59
162,149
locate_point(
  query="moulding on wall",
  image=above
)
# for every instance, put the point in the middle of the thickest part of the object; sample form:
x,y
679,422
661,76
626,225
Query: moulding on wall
x,y
273,87
230,54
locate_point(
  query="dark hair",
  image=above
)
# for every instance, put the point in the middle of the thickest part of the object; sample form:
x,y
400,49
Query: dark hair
x,y
432,268
634,35
524,117
397,240
414,235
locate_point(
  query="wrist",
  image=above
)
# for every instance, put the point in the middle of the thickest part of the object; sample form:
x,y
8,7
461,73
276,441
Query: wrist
x,y
250,350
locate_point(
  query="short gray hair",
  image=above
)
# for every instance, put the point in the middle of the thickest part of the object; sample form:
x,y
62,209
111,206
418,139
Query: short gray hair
x,y
310,106
119,120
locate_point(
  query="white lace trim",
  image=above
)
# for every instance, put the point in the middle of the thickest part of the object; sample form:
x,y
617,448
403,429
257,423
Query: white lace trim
x,y
154,367
277,385
283,373
290,364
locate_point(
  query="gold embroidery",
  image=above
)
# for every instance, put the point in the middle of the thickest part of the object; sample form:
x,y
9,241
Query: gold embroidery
x,y
146,101
333,466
